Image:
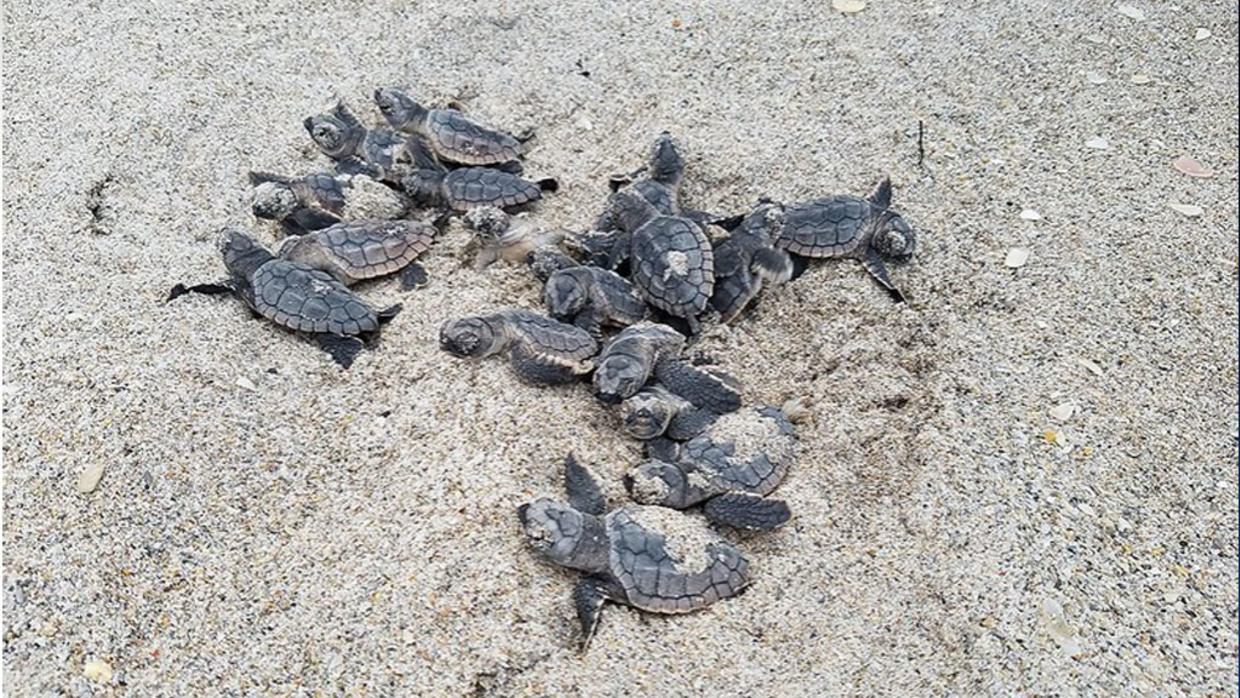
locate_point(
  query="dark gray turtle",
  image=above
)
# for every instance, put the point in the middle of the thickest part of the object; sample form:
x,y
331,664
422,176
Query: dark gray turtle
x,y
730,467
295,296
746,259
464,188
357,149
590,297
449,133
635,555
359,250
542,350
649,350
673,265
316,201
513,239
848,226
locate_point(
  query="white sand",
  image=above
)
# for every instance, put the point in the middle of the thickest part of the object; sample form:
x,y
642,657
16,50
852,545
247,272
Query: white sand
x,y
355,532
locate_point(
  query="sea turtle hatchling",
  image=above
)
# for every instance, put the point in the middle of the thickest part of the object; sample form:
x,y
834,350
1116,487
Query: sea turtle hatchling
x,y
656,412
729,468
354,147
449,133
746,259
847,226
295,296
590,297
673,265
649,350
514,239
316,201
541,350
364,249
430,185
658,562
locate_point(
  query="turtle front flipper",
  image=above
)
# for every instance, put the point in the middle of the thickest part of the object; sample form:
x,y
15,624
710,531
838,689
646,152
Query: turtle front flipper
x,y
874,264
713,390
590,321
213,289
343,350
413,276
747,511
588,598
532,367
512,167
772,265
689,423
664,449
354,165
307,220
584,493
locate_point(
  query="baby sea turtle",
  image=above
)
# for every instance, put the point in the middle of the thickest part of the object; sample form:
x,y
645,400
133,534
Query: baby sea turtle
x,y
431,185
730,467
513,239
746,259
633,555
673,265
359,250
542,350
648,350
357,149
656,412
316,201
590,297
848,226
295,296
449,133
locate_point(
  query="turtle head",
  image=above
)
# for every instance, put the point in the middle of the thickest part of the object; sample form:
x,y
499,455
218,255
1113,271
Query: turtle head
x,y
565,294
337,134
666,163
764,222
242,253
657,483
401,112
489,222
894,238
566,536
422,186
273,200
630,210
619,376
468,337
647,414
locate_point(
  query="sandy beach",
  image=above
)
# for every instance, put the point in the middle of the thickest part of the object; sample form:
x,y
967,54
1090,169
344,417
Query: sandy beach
x,y
1021,482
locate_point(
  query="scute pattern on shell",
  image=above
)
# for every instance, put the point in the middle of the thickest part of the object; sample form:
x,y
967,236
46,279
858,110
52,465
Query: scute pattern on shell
x,y
463,140
309,300
470,187
681,289
655,581
551,337
368,249
748,450
829,227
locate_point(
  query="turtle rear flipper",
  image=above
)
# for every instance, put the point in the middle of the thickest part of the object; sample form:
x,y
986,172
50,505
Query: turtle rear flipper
x,y
343,350
689,423
589,595
799,265
772,265
713,390
874,264
212,289
550,184
584,493
664,449
747,511
413,276
388,313
534,368
307,220
258,177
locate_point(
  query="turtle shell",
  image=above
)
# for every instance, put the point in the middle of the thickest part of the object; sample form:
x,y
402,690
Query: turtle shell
x,y
471,187
458,138
654,580
673,265
748,450
551,337
367,249
829,227
308,300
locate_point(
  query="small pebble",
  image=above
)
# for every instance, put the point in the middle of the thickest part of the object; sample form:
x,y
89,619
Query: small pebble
x,y
1016,258
89,478
1030,215
1098,142
1131,12
1140,79
1189,210
98,670
246,383
1191,167
1062,412
1202,34
848,7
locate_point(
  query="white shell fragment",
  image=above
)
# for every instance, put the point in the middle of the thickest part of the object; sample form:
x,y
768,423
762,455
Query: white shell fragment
x,y
1062,412
1095,78
1030,215
98,671
848,7
1016,258
1202,34
246,383
1190,210
89,478
1098,143
1140,79
1130,12
1191,167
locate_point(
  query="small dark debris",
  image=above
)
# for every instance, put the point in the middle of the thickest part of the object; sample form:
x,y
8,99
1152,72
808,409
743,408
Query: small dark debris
x,y
96,205
581,69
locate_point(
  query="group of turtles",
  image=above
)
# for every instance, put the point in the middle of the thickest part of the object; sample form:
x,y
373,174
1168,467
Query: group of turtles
x,y
624,300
